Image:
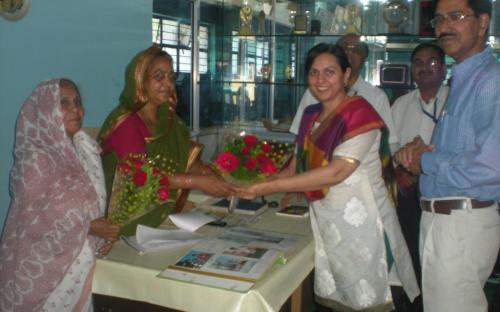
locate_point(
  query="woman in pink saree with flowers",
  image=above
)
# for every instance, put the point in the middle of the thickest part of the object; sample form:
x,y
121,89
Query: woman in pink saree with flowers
x,y
145,122
54,227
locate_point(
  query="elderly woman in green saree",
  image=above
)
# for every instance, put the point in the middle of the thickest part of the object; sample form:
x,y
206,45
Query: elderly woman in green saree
x,y
145,122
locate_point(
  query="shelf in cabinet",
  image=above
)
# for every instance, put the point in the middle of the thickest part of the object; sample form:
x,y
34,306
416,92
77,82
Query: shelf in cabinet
x,y
284,83
390,42
401,36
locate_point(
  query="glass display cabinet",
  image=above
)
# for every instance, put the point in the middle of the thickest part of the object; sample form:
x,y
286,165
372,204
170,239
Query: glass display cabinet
x,y
261,47
247,62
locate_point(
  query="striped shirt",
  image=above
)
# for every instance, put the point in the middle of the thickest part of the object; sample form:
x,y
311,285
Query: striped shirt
x,y
466,158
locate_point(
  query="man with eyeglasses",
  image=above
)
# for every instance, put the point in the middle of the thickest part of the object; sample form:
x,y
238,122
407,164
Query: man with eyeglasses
x,y
460,169
415,114
357,52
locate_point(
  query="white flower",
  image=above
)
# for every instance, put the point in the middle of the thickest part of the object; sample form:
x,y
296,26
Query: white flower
x,y
320,249
331,234
382,267
355,212
361,250
325,284
352,179
365,293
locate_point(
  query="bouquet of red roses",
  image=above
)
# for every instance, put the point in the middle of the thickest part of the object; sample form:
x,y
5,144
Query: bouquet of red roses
x,y
139,186
248,159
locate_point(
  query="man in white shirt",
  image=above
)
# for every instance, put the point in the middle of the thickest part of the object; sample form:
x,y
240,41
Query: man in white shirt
x,y
357,52
415,114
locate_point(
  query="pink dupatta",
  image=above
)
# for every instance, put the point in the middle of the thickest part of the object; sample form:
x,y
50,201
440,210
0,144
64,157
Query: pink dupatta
x,y
53,202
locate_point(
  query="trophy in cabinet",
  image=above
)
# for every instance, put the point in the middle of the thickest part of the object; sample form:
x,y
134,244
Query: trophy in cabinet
x,y
262,24
246,21
300,22
267,6
396,13
288,73
265,70
353,18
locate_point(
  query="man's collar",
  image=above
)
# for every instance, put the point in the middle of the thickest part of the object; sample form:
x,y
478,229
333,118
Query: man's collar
x,y
355,87
438,93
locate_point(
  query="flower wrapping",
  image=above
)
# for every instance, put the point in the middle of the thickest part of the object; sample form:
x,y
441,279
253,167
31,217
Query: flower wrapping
x,y
139,186
246,159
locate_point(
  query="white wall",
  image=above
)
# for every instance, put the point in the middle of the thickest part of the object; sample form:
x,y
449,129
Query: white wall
x,y
88,41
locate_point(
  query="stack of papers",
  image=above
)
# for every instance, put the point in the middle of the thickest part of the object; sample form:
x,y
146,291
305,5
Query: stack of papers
x,y
149,239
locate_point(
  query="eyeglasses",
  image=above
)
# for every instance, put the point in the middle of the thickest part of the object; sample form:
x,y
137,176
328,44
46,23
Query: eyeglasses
x,y
432,63
453,16
352,47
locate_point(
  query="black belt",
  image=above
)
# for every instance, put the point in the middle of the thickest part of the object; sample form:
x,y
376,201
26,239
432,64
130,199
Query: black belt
x,y
447,205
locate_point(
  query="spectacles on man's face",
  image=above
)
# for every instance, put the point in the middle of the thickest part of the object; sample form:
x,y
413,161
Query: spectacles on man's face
x,y
454,17
432,63
356,47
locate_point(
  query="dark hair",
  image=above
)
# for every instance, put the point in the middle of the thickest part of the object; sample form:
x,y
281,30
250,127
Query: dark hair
x,y
69,83
429,45
328,48
163,53
478,6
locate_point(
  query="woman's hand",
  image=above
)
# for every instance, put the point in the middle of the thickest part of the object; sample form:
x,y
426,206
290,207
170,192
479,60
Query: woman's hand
x,y
213,185
285,201
252,191
100,227
105,249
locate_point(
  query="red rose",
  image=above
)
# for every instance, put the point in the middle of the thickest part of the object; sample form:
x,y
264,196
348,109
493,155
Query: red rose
x,y
266,147
251,164
262,158
250,140
140,178
163,193
156,170
138,163
124,167
268,167
246,150
227,161
164,181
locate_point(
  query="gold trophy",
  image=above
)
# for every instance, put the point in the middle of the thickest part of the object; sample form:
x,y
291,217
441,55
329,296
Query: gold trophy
x,y
396,14
265,70
246,21
288,73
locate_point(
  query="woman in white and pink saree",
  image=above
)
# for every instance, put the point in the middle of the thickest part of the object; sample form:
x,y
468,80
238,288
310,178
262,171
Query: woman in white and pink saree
x,y
54,226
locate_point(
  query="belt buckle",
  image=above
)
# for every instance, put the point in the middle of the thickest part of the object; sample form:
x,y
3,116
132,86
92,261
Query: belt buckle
x,y
467,205
432,206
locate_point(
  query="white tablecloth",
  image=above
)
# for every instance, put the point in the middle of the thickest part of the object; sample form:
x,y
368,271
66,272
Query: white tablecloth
x,y
127,274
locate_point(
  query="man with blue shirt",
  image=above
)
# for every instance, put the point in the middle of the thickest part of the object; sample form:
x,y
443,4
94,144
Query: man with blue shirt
x,y
460,169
